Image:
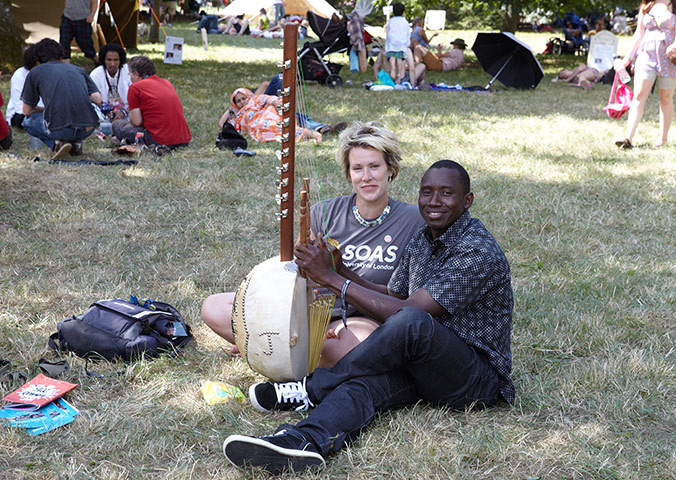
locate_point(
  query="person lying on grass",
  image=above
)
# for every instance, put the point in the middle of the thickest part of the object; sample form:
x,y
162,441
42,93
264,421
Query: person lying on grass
x,y
445,340
257,115
581,76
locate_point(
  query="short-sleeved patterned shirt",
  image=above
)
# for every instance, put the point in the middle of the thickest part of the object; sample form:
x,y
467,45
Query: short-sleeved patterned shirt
x,y
466,272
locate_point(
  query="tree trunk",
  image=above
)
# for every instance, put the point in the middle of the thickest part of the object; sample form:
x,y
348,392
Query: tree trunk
x,y
154,33
510,21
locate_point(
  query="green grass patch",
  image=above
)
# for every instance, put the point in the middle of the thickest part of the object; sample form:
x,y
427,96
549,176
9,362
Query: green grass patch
x,y
588,230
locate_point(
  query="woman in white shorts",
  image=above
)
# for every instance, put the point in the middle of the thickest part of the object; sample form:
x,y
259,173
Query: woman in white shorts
x,y
653,46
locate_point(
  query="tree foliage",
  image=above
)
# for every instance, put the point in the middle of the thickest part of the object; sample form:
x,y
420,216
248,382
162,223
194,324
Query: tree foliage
x,y
506,14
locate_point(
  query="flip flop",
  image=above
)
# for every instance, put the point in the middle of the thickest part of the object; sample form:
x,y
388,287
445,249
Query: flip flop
x,y
624,144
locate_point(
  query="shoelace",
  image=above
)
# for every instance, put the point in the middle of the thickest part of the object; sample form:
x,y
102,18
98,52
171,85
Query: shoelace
x,y
293,392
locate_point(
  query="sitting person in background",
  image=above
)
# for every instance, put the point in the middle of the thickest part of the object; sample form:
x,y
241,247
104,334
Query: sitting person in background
x,y
441,61
68,93
257,115
237,26
263,20
599,26
366,224
15,114
573,33
418,35
5,131
112,78
155,111
582,76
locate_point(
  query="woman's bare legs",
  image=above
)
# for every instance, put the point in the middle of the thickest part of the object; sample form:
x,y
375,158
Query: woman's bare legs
x,y
666,114
217,315
637,106
339,341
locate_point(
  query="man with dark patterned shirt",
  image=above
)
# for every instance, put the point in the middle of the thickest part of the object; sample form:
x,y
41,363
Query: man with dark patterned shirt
x,y
447,314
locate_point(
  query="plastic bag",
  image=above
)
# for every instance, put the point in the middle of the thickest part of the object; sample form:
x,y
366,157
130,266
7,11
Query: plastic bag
x,y
219,392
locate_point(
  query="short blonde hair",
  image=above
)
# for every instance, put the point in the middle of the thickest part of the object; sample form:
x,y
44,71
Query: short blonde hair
x,y
369,135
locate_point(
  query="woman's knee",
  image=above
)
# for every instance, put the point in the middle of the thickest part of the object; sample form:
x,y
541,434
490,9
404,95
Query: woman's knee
x,y
215,309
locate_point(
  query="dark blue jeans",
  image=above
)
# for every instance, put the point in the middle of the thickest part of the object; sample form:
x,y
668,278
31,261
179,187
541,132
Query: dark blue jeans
x,y
35,125
411,357
210,22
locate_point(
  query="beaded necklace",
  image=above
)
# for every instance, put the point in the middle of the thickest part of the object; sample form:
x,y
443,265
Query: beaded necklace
x,y
370,223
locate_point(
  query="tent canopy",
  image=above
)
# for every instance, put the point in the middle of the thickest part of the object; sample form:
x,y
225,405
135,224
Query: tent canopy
x,y
37,19
292,7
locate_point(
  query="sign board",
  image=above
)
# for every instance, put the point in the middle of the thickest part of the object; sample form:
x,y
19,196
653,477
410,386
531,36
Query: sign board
x,y
602,49
435,19
173,50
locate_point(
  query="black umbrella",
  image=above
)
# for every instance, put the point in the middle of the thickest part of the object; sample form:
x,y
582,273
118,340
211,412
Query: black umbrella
x,y
508,59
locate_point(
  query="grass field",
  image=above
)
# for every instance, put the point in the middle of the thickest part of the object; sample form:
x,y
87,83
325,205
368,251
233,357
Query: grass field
x,y
588,230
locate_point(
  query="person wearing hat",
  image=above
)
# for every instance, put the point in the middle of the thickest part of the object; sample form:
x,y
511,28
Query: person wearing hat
x,y
441,61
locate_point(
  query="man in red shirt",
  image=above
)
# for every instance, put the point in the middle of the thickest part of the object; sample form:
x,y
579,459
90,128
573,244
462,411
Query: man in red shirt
x,y
5,131
154,109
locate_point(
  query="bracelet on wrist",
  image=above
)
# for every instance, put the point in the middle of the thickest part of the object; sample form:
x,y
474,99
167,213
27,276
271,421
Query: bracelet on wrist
x,y
343,291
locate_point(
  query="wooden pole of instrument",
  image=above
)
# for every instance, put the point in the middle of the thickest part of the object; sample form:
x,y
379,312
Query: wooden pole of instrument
x,y
288,141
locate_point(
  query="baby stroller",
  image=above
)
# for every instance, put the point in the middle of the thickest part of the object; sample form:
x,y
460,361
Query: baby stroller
x,y
333,38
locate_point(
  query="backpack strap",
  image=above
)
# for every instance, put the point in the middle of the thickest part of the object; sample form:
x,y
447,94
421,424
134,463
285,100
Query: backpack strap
x,y
53,341
53,369
100,375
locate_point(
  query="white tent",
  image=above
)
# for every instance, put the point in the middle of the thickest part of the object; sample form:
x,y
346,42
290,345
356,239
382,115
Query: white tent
x,y
292,7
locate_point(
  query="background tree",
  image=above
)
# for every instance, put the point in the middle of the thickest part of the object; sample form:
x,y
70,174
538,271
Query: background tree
x,y
504,15
11,40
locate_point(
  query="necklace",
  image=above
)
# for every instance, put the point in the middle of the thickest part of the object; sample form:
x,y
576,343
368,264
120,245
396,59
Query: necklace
x,y
370,223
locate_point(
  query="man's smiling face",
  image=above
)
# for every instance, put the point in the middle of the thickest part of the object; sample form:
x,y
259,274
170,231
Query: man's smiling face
x,y
442,199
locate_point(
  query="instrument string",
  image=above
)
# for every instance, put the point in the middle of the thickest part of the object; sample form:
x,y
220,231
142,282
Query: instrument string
x,y
311,162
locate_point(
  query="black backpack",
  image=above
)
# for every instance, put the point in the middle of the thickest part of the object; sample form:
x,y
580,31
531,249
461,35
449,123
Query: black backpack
x,y
118,329
230,138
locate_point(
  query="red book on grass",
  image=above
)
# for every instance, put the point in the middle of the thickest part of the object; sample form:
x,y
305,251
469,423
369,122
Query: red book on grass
x,y
37,393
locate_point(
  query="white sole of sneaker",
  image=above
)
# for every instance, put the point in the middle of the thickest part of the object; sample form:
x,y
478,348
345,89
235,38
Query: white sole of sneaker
x,y
243,451
254,402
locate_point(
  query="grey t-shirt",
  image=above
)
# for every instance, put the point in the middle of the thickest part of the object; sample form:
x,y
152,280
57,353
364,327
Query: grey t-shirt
x,y
65,90
372,252
77,9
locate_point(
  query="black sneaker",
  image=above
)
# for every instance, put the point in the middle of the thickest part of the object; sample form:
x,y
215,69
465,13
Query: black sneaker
x,y
270,396
287,449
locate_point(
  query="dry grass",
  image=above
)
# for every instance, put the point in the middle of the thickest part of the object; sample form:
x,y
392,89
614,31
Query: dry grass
x,y
588,231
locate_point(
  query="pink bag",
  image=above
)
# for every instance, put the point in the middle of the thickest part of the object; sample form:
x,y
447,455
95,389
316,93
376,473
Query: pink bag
x,y
619,100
